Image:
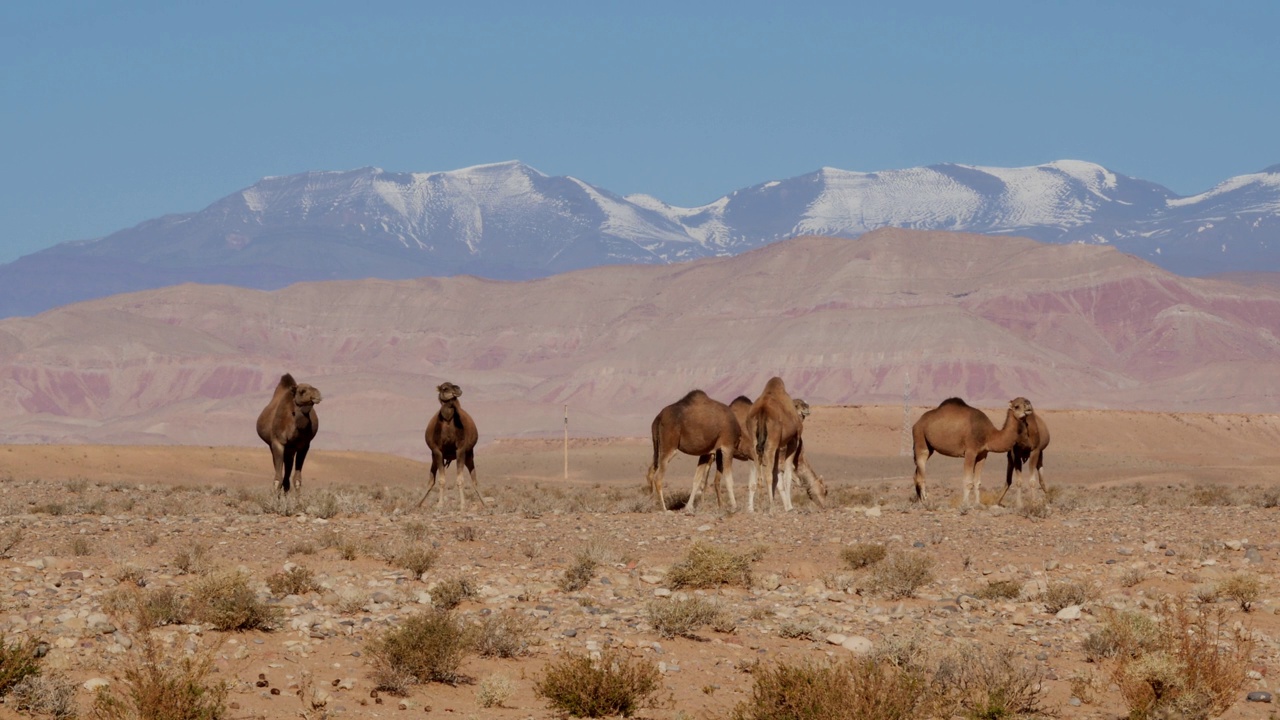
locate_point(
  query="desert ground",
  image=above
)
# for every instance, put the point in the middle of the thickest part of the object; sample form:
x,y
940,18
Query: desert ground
x,y
1144,506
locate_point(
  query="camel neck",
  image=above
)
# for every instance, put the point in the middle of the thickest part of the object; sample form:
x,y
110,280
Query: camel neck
x,y
448,409
1007,436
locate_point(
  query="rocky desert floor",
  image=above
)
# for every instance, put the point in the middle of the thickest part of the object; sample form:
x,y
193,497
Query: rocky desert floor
x,y
1145,507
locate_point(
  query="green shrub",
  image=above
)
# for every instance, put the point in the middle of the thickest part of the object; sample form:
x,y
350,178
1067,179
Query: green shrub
x,y
615,685
17,661
428,647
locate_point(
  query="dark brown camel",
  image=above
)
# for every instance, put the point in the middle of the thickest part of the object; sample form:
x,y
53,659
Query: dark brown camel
x,y
452,435
694,425
955,429
775,425
287,425
1033,438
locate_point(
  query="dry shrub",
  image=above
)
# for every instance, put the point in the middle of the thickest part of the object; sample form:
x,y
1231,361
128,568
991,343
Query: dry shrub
x,y
192,560
1195,668
302,547
991,686
857,689
1206,593
707,566
849,496
1244,588
799,630
466,533
1132,576
1036,509
862,555
1122,631
159,686
9,541
614,685
413,557
1212,496
578,574
297,580
18,661
428,647
226,602
1065,593
416,531
448,594
494,691
999,590
147,608
502,635
901,574
53,695
80,546
682,618
323,505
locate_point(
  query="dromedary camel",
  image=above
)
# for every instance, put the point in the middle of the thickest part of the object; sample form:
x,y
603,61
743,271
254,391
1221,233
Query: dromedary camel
x,y
957,430
287,425
452,435
694,425
814,485
775,425
1028,449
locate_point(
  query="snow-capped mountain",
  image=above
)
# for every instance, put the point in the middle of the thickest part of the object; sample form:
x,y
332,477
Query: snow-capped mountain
x,y
509,221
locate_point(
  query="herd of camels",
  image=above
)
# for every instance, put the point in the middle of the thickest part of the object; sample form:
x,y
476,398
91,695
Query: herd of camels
x,y
767,432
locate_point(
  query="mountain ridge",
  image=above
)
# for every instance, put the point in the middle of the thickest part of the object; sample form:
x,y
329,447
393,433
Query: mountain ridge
x,y
510,221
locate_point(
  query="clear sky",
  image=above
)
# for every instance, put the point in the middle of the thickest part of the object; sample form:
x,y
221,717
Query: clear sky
x,y
114,113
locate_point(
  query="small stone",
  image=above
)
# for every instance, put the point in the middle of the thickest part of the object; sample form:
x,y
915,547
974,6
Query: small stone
x,y
857,645
1070,612
1074,702
92,684
873,511
836,639
1050,564
571,633
1252,555
1261,696
1124,551
1169,553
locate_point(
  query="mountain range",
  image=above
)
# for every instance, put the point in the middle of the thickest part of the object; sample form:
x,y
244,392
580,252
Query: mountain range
x,y
509,221
890,316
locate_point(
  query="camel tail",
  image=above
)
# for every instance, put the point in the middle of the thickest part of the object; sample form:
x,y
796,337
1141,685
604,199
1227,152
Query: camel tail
x,y
656,431
762,437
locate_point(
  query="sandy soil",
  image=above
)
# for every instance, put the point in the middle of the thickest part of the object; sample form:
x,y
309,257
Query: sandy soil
x,y
1176,501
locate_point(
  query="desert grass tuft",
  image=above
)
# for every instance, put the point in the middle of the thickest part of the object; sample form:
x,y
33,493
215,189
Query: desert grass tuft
x,y
158,686
1065,593
19,660
415,557
147,608
708,566
297,580
1244,588
494,691
52,694
578,574
901,574
502,635
615,684
684,617
428,647
860,689
999,590
448,594
227,602
861,555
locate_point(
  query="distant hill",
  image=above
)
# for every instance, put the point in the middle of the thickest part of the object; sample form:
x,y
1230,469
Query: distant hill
x,y
842,321
508,221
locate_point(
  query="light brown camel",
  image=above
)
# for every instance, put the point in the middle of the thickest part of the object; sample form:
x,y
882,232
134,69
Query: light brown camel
x,y
287,425
814,485
451,435
955,429
694,425
775,425
1033,438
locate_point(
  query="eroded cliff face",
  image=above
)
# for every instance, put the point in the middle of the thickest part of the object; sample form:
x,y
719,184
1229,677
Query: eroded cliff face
x,y
842,321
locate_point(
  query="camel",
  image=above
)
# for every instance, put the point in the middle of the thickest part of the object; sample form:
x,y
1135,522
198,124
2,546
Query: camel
x,y
451,435
813,484
955,429
287,425
694,425
1033,438
775,425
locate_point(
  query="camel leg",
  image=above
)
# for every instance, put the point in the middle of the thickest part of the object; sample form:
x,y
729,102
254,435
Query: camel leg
x,y
788,477
728,479
1037,472
970,461
469,459
297,467
287,481
656,474
977,479
922,456
699,480
277,459
435,468
756,475
1008,475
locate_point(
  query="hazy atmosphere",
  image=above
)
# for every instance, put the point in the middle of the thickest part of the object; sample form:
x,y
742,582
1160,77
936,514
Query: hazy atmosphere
x,y
117,113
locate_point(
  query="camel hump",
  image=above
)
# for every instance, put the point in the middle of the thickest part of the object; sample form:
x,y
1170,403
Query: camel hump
x,y
775,384
692,396
954,401
287,381
741,399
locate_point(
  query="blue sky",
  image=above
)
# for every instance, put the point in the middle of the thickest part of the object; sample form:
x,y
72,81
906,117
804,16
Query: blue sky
x,y
114,113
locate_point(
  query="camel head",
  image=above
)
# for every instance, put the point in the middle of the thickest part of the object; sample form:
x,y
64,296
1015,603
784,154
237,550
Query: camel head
x,y
448,391
802,408
305,395
1021,407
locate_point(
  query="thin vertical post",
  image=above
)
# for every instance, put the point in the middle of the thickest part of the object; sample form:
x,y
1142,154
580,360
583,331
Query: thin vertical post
x,y
905,444
566,441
